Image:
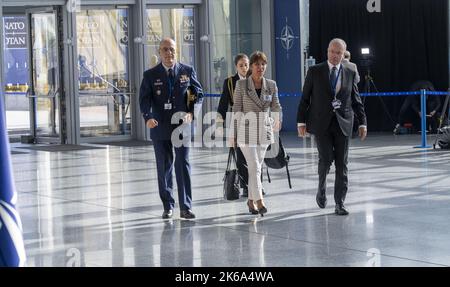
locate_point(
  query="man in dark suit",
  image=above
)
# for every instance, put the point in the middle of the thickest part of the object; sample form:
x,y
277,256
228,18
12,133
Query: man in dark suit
x,y
411,111
164,99
433,103
351,65
330,99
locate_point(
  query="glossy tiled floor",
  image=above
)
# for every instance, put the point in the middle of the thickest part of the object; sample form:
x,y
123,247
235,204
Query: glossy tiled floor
x,y
101,208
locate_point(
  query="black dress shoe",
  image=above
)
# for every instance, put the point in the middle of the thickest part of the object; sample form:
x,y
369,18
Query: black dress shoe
x,y
167,214
340,210
321,199
187,214
263,192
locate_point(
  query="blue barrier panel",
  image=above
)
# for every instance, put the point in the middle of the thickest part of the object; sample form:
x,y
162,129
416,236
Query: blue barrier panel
x,y
437,93
389,94
400,94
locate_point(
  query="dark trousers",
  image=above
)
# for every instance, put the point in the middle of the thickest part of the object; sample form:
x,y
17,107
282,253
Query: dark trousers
x,y
242,168
164,165
413,118
333,146
408,114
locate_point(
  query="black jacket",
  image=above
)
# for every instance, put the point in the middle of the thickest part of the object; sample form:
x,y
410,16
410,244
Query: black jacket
x,y
315,106
433,102
226,98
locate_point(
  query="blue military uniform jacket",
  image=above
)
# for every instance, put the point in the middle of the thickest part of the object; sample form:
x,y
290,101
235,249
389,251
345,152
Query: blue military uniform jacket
x,y
154,95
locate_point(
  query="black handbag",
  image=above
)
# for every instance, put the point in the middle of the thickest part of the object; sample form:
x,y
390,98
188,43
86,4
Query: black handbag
x,y
278,161
231,179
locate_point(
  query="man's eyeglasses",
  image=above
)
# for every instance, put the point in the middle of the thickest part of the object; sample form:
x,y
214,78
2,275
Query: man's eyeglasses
x,y
168,49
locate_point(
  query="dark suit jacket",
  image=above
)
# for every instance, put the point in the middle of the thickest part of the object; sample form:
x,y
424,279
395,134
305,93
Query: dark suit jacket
x,y
154,93
315,106
433,102
226,99
353,67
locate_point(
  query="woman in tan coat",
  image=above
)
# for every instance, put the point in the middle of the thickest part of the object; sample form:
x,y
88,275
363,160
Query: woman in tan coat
x,y
256,116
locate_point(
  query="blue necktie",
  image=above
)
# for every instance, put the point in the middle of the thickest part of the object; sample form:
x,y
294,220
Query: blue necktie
x,y
171,81
333,82
333,76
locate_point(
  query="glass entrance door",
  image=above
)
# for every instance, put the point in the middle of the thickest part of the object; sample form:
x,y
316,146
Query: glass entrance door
x,y
105,94
44,90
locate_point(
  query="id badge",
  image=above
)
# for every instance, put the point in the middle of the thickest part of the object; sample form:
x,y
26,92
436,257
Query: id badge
x,y
168,106
268,98
336,104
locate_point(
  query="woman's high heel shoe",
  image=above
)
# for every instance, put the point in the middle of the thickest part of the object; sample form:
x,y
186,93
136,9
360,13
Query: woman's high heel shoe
x,y
261,208
251,207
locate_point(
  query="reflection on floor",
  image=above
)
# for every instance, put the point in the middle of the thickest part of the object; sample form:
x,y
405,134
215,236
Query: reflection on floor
x,y
101,208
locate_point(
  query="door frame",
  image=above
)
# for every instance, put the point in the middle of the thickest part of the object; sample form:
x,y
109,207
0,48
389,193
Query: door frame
x,y
32,97
132,90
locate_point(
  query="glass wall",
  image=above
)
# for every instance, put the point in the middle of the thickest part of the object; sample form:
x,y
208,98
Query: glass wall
x,y
16,74
177,23
103,62
45,74
236,28
103,59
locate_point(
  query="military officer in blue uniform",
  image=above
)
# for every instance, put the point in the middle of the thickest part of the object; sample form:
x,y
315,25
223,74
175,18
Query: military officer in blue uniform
x,y
167,95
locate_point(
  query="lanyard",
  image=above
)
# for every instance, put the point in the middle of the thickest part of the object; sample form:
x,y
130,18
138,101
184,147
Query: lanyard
x,y
333,85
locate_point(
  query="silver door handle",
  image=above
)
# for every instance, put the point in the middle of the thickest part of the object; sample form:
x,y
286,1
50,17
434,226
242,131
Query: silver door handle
x,y
42,97
50,94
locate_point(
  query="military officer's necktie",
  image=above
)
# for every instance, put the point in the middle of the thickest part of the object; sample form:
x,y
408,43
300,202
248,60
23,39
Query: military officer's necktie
x,y
171,81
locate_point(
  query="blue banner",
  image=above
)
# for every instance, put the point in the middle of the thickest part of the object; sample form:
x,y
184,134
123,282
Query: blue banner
x,y
15,54
288,58
12,250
